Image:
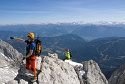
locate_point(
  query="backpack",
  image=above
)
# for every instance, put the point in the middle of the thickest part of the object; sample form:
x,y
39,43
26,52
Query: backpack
x,y
38,47
70,54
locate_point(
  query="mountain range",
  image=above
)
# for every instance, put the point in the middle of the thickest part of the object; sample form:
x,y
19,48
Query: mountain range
x,y
86,31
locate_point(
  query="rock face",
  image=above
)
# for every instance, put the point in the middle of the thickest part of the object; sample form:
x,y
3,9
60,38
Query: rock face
x,y
56,71
118,76
9,62
10,54
93,74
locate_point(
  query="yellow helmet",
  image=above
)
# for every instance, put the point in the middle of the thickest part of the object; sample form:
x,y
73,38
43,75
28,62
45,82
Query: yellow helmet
x,y
31,35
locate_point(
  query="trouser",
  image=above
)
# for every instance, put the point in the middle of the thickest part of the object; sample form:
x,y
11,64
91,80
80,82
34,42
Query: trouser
x,y
31,63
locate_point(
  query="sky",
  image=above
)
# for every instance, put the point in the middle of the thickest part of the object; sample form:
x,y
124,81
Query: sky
x,y
52,11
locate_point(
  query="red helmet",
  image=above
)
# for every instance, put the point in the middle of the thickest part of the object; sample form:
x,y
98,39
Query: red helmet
x,y
67,49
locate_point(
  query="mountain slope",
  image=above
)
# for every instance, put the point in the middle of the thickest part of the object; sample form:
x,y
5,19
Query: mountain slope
x,y
9,62
118,76
48,30
4,35
67,40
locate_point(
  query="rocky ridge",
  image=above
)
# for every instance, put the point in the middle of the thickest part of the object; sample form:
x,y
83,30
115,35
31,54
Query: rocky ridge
x,y
54,70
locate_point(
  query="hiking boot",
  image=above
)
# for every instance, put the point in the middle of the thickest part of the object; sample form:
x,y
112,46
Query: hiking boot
x,y
38,72
34,79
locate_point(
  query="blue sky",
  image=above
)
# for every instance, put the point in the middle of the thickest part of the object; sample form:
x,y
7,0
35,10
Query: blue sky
x,y
52,11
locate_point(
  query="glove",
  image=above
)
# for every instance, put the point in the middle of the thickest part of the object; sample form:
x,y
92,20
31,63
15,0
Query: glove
x,y
12,37
24,58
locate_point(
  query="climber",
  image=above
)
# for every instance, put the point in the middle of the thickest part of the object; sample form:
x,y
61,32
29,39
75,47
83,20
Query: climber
x,y
30,53
67,54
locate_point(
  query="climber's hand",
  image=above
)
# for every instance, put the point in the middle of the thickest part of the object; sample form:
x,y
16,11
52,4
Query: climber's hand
x,y
12,37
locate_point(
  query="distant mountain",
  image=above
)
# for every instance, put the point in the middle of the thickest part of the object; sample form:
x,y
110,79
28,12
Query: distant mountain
x,y
4,35
88,31
102,23
100,31
68,40
43,30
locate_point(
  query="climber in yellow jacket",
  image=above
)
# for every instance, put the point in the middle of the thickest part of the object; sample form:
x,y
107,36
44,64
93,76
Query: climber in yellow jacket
x,y
67,54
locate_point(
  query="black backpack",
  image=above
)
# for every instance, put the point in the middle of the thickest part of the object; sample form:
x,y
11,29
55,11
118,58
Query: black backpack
x,y
70,54
38,47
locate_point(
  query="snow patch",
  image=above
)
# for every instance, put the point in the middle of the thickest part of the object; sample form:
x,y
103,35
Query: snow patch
x,y
82,72
74,63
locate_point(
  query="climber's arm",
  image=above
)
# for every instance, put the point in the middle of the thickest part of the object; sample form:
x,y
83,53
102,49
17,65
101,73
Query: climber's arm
x,y
19,39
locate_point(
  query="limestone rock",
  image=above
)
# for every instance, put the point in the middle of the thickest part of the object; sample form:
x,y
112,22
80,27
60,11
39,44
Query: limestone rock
x,y
55,71
9,54
93,74
9,61
13,82
53,55
118,76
